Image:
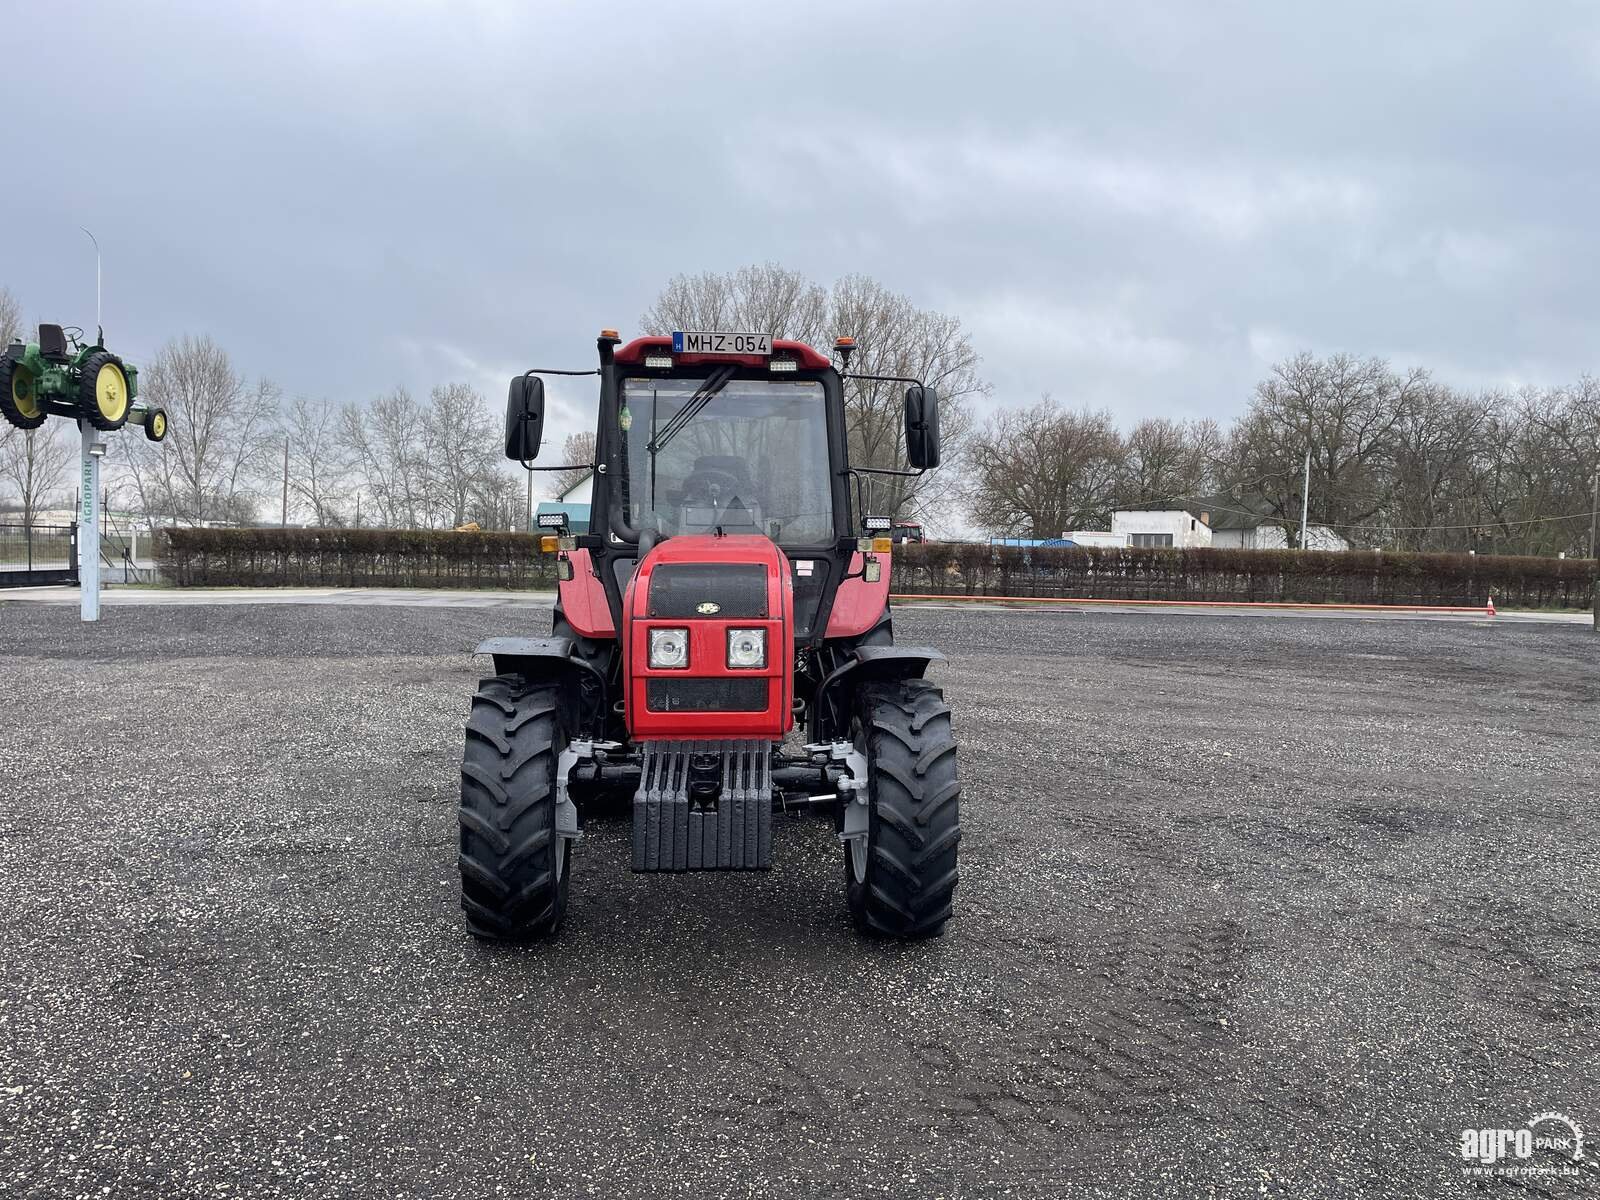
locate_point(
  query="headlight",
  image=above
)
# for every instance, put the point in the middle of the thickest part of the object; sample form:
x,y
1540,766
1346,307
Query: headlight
x,y
747,648
669,648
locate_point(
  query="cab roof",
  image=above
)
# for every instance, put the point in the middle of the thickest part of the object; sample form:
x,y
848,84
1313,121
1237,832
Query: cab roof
x,y
633,354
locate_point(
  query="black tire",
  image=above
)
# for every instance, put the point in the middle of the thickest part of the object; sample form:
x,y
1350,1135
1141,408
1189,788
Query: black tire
x,y
914,821
514,869
155,424
10,407
89,406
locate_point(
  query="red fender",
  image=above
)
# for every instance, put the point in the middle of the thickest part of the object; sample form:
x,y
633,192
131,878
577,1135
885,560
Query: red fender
x,y
858,604
583,600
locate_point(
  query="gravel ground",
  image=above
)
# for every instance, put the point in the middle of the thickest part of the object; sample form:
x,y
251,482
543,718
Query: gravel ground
x,y
1247,908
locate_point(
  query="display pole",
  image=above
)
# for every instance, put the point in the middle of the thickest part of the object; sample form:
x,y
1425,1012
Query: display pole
x,y
89,524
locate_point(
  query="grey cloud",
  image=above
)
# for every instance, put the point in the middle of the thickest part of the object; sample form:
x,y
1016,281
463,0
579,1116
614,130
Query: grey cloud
x,y
1134,205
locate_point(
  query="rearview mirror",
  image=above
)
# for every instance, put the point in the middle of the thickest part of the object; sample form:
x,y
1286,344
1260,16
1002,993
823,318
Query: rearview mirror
x,y
922,427
524,418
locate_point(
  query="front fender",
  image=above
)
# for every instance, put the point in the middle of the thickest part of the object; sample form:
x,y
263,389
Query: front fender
x,y
868,664
553,659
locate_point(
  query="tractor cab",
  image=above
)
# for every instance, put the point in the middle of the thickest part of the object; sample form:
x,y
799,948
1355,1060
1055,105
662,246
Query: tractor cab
x,y
728,591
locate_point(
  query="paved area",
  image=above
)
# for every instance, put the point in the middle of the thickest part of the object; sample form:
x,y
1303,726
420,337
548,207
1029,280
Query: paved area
x,y
1247,908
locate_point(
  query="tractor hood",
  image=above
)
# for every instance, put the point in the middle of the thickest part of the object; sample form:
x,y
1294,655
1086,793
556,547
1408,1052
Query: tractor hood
x,y
708,639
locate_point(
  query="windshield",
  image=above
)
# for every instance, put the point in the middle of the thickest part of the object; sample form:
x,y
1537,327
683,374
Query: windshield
x,y
752,459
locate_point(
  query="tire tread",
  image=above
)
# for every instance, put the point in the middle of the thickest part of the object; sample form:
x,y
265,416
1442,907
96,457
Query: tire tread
x,y
509,888
915,824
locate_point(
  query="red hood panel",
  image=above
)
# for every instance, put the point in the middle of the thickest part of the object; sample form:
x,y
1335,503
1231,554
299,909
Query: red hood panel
x,y
771,686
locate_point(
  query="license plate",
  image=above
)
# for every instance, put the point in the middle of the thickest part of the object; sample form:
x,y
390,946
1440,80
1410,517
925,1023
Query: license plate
x,y
722,343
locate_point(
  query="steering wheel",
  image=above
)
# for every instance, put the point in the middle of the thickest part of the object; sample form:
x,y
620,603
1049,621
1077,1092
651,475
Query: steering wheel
x,y
699,484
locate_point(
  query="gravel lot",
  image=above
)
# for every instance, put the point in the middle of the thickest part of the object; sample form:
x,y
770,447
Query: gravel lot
x,y
1248,906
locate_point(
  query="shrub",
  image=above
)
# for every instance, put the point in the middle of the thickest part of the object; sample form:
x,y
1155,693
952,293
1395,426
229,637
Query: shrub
x,y
352,558
1287,576
438,558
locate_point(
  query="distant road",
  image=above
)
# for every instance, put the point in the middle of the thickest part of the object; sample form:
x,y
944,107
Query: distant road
x,y
460,598
366,597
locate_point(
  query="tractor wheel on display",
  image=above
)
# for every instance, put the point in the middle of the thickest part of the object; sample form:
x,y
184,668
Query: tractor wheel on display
x,y
900,883
19,399
155,424
514,869
103,392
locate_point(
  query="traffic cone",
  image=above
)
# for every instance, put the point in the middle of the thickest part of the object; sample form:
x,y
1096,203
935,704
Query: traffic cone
x,y
1491,606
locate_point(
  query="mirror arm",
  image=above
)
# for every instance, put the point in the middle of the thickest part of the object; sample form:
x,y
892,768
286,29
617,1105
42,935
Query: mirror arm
x,y
917,474
883,379
527,465
858,472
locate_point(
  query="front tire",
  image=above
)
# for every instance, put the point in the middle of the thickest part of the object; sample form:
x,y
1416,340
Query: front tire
x,y
103,392
902,887
155,424
514,869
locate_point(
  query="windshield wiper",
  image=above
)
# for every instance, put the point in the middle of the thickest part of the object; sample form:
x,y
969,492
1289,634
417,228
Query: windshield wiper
x,y
692,406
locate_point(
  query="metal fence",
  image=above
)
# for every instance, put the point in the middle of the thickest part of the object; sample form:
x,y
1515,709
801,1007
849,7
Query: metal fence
x,y
38,554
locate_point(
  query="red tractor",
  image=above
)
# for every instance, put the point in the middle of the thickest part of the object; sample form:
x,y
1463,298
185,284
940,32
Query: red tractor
x,y
725,597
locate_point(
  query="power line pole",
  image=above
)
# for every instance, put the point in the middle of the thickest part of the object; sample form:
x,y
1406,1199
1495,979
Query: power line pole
x,y
1594,520
284,524
1305,499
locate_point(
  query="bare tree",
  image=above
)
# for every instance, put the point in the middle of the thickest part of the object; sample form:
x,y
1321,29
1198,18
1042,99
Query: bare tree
x,y
460,440
10,317
1167,462
222,440
758,299
893,337
1344,411
496,501
578,448
1567,421
1040,471
35,463
318,459
384,440
1438,436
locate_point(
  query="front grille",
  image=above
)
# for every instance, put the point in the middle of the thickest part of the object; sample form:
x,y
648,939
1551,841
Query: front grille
x,y
706,695
679,589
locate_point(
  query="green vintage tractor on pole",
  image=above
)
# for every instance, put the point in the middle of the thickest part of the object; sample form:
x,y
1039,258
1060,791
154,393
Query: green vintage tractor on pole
x,y
64,375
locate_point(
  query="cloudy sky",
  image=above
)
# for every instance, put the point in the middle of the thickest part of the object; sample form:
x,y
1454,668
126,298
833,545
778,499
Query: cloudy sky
x,y
1131,205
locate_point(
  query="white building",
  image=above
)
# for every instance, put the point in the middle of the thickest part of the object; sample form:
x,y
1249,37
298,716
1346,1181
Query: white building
x,y
1241,524
1177,528
1235,531
580,492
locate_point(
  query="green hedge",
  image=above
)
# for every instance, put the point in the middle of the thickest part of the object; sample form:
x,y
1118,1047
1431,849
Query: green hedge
x,y
1347,577
431,558
421,558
